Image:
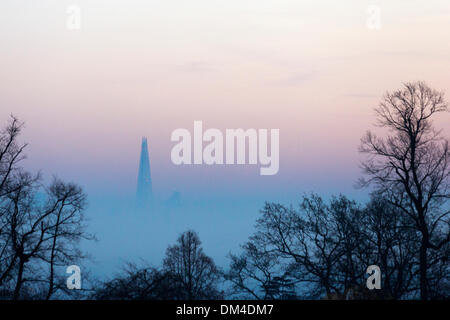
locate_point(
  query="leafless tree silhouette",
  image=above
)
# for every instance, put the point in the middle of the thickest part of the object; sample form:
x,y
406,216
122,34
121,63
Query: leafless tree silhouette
x,y
39,227
187,273
323,250
138,283
410,167
195,273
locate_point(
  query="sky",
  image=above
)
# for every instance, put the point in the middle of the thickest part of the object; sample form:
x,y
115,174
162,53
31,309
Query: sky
x,y
312,69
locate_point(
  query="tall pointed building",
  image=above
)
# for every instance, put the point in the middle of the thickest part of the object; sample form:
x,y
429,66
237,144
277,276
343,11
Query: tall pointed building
x,y
144,185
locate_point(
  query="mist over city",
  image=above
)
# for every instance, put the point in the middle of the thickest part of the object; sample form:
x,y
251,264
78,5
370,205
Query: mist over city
x,y
238,150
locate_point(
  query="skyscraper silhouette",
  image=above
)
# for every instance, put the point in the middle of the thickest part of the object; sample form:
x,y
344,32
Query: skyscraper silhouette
x,y
144,185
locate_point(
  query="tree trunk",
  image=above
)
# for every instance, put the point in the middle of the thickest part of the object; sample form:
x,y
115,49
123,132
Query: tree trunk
x,y
52,259
19,280
423,271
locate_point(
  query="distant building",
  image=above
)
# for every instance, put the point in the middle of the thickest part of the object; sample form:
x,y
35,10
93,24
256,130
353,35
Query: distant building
x,y
144,185
174,200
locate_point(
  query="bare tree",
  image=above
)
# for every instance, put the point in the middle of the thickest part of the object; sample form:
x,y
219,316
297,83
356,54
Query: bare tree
x,y
195,273
138,283
38,233
389,242
323,250
315,241
12,180
259,274
11,154
411,166
66,227
305,245
187,273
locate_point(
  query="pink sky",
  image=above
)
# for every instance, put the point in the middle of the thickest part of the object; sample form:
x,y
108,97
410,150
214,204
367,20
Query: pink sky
x,y
144,68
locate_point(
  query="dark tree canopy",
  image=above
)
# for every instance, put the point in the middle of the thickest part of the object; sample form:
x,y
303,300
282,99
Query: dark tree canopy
x,y
187,273
410,167
196,274
322,250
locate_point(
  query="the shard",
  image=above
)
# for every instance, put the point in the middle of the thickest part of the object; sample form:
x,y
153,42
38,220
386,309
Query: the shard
x,y
144,185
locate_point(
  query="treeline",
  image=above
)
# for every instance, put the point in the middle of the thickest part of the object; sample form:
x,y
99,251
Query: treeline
x,y
316,250
320,250
187,273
